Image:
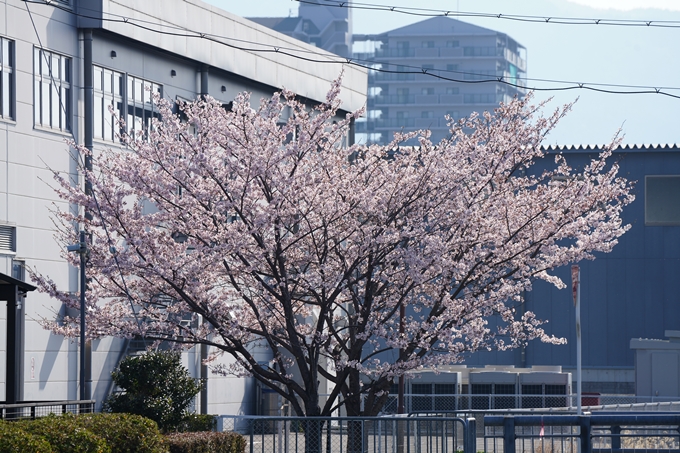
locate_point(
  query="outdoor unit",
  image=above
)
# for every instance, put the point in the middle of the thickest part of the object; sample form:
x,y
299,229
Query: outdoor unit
x,y
434,392
496,390
544,389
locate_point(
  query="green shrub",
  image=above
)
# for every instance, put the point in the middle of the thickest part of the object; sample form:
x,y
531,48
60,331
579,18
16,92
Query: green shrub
x,y
156,386
125,433
64,434
15,440
206,442
198,422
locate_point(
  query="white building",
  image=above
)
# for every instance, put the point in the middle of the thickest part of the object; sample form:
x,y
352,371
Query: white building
x,y
43,103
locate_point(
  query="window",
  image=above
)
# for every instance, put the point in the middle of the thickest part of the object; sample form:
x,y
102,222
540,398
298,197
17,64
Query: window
x,y
454,114
427,114
8,243
6,78
426,91
452,67
452,90
453,43
52,89
403,49
140,105
427,67
402,96
662,200
131,99
428,44
19,270
108,92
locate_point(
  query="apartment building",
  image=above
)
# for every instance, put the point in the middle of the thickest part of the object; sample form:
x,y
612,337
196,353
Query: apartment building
x,y
436,68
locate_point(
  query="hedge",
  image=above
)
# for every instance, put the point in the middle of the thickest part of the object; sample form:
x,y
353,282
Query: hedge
x,y
14,440
206,442
198,422
64,435
87,433
125,433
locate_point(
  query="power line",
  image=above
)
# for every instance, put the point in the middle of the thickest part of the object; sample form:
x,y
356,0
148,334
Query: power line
x,y
94,195
427,12
307,55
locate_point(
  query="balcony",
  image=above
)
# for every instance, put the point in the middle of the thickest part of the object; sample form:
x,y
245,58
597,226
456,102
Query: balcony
x,y
390,77
394,99
449,52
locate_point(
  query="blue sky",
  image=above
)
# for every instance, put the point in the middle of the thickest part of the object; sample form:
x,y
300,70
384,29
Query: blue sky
x,y
624,55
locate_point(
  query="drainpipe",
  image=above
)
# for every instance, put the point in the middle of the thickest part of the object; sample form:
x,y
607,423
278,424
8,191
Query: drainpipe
x,y
88,85
204,347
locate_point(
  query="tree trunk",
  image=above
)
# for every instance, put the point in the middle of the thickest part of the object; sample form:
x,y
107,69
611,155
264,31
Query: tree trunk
x,y
357,430
313,427
357,436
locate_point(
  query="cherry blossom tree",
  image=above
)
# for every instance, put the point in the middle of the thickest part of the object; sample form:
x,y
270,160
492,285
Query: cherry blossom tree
x,y
280,234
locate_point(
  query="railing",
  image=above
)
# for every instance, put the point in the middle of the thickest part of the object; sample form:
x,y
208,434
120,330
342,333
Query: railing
x,y
472,402
616,433
33,410
353,434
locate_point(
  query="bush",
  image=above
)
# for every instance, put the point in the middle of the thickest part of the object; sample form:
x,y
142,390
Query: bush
x,y
15,440
64,434
198,422
206,442
155,386
125,433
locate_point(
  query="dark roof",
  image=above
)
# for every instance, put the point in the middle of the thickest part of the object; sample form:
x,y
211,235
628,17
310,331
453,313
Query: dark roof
x,y
23,286
280,24
440,25
673,147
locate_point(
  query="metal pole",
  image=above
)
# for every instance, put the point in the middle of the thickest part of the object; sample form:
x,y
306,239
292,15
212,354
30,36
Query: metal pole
x,y
83,385
576,291
401,436
400,401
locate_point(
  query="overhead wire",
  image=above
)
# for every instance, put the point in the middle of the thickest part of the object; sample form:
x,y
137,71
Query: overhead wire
x,y
428,12
370,64
94,195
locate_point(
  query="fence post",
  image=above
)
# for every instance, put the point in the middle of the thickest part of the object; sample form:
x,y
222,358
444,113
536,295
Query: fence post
x,y
470,440
584,424
616,437
252,434
509,435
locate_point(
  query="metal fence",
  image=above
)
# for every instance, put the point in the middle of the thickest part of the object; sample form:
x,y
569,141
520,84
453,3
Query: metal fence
x,y
353,434
484,402
596,433
33,410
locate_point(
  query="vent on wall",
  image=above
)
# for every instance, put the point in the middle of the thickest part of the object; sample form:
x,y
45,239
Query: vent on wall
x,y
7,239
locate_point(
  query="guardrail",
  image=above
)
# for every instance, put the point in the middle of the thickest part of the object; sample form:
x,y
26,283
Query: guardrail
x,y
596,433
393,434
34,409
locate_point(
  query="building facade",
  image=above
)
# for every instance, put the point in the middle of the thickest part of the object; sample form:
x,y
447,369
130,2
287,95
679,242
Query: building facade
x,y
631,292
130,49
436,68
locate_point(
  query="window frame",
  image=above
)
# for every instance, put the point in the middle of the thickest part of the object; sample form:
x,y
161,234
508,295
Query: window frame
x,y
648,221
46,78
124,102
7,78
